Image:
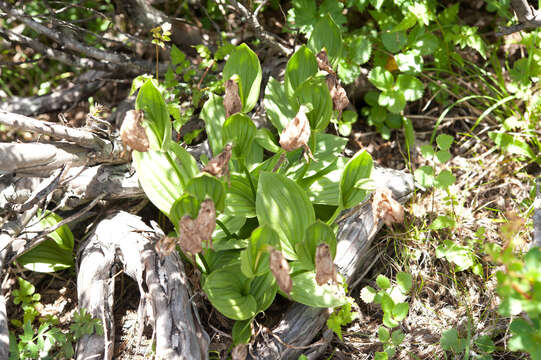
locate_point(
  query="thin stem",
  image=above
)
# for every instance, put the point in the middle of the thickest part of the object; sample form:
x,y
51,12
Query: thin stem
x,y
334,215
245,169
205,264
157,67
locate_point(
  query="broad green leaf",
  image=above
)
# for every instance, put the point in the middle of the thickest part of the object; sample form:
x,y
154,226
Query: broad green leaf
x,y
410,86
512,144
55,253
242,331
160,177
443,156
443,222
326,190
206,185
393,100
177,56
306,291
404,281
397,337
245,63
187,204
427,43
264,289
368,294
360,49
400,311
254,260
300,67
277,105
315,92
382,79
156,118
383,334
425,176
444,179
326,35
394,121
451,342
358,167
394,41
410,62
316,234
283,205
239,199
183,161
226,290
383,282
213,114
444,141
240,130
266,140
303,15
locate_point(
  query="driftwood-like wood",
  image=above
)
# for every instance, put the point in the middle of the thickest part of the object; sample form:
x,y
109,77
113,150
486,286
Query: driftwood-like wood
x,y
122,240
301,323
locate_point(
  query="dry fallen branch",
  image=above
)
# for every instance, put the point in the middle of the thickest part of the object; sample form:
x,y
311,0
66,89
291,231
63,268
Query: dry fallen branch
x,y
123,239
528,17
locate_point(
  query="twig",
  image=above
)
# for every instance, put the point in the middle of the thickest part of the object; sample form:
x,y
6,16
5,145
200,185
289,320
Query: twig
x,y
270,38
528,17
83,138
537,215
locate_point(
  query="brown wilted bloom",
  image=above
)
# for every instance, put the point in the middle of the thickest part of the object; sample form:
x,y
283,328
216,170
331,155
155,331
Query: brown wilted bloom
x,y
239,352
280,269
132,131
323,62
206,221
338,94
165,246
385,207
219,165
297,133
325,268
232,102
192,232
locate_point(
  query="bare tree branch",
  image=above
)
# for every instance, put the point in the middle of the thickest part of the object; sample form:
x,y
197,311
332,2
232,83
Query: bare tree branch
x,y
528,17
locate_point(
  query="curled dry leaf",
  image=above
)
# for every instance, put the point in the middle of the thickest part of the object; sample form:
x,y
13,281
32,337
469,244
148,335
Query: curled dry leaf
x,y
206,221
338,94
132,131
192,232
189,237
219,165
232,102
239,352
325,268
297,133
385,207
280,269
165,246
323,62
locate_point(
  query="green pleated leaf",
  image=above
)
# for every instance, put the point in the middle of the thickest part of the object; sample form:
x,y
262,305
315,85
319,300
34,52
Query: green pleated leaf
x,y
306,291
187,204
213,114
225,288
240,130
207,186
358,167
263,288
239,199
245,63
277,105
265,139
315,92
254,260
327,35
53,254
316,234
242,331
300,67
156,118
283,205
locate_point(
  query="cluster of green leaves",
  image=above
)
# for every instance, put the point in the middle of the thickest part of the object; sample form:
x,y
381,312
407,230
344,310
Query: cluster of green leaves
x,y
47,341
395,309
519,287
483,345
266,202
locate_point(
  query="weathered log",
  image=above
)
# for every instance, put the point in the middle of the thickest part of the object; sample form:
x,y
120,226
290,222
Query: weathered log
x,y
124,240
357,229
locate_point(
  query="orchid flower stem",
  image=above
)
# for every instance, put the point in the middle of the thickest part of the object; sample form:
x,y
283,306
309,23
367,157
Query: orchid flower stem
x,y
334,215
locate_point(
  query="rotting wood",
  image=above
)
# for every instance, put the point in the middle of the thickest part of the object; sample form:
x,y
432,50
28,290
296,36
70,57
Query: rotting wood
x,y
123,240
300,324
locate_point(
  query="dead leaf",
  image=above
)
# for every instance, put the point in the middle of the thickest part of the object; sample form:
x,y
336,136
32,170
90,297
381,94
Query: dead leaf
x,y
325,268
232,102
323,62
385,208
280,269
132,131
239,352
297,133
219,165
338,94
206,221
189,236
